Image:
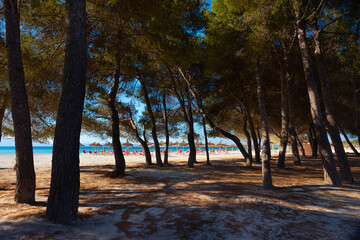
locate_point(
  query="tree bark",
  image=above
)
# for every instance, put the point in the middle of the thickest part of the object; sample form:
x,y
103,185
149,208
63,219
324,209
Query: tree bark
x,y
235,139
349,142
25,173
301,146
248,138
330,174
188,118
356,113
265,153
206,143
115,130
153,124
245,106
284,117
143,142
292,132
63,200
3,106
345,171
167,137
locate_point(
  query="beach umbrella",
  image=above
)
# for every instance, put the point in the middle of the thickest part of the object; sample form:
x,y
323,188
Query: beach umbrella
x,y
161,143
173,144
95,144
127,144
109,145
198,144
220,145
183,144
232,146
81,145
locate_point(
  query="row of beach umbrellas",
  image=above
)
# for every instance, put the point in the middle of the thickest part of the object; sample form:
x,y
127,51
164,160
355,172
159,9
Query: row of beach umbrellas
x,y
161,143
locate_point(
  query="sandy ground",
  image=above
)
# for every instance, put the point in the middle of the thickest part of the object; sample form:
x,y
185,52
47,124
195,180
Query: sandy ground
x,y
222,201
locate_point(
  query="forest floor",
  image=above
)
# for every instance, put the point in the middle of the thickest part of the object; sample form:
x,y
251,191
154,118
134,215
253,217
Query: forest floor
x,y
222,201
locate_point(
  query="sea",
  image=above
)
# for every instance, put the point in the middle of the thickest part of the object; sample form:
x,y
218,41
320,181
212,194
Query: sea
x,y
49,149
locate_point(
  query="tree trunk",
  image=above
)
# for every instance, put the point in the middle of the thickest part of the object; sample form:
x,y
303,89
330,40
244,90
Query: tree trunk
x,y
330,174
3,109
292,132
167,137
356,113
252,130
345,171
25,173
216,128
349,142
153,124
63,200
188,119
265,153
144,145
284,117
313,142
248,138
206,143
115,130
301,147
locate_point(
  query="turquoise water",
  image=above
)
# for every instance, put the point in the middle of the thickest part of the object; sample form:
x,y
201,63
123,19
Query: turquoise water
x,y
48,149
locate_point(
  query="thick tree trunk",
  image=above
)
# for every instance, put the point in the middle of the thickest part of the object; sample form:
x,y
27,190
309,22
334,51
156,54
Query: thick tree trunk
x,y
206,143
115,130
349,142
284,117
63,201
345,171
25,173
167,137
330,174
3,106
248,138
153,124
265,153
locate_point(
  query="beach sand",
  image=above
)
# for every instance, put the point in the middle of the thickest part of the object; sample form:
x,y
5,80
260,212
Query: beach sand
x,y
222,201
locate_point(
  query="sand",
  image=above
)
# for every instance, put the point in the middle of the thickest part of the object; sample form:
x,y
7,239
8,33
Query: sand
x,y
222,201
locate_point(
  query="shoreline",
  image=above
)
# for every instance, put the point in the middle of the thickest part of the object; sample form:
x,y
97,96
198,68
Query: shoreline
x,y
44,160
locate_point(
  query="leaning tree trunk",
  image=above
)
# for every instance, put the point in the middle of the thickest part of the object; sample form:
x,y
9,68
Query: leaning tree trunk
x,y
349,142
265,153
248,138
252,130
153,124
63,200
330,174
191,133
284,117
115,130
301,146
3,109
206,143
292,132
235,139
345,171
25,173
188,119
167,137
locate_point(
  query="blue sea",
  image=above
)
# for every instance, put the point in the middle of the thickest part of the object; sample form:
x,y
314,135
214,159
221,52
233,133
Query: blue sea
x,y
48,149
